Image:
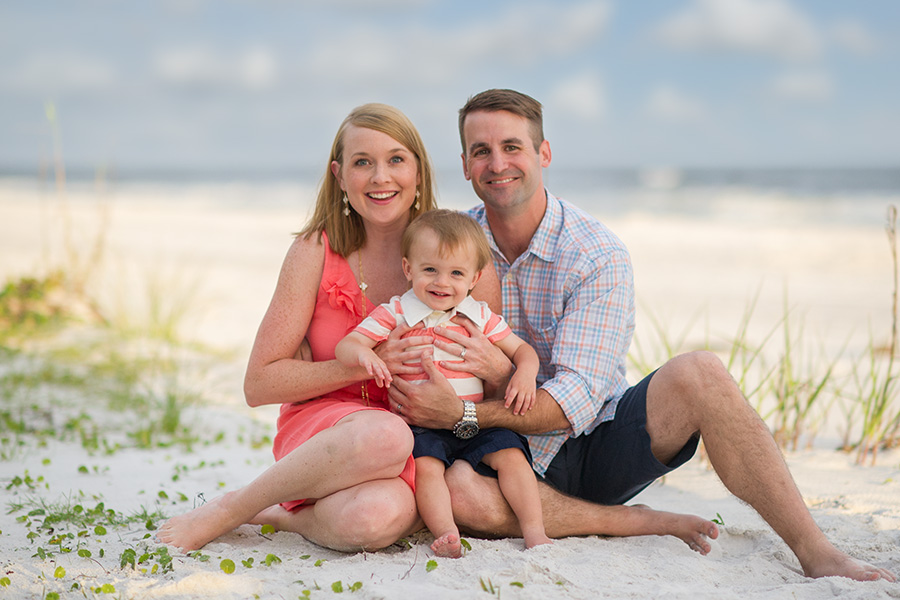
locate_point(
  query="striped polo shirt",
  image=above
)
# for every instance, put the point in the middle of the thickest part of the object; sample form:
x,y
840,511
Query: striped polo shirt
x,y
408,309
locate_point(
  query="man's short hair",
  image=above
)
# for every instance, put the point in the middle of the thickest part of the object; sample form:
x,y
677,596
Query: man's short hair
x,y
509,100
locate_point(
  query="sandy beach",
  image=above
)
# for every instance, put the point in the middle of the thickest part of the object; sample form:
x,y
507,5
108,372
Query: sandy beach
x,y
213,252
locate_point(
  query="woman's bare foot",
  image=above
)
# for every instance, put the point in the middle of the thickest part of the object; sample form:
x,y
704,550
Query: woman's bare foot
x,y
447,545
692,530
193,530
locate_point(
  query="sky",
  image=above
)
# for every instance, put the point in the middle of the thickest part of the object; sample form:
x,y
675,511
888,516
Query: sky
x,y
226,84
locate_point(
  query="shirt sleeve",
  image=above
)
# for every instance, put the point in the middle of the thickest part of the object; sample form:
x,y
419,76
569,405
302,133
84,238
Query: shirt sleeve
x,y
379,324
591,339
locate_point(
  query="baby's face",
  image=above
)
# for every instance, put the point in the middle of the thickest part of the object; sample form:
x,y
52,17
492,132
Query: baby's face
x,y
440,281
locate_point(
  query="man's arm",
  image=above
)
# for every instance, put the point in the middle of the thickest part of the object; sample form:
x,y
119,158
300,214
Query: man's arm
x,y
434,404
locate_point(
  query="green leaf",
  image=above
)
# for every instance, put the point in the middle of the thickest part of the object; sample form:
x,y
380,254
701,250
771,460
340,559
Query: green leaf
x,y
248,563
84,553
100,530
430,566
108,588
517,584
719,520
465,544
266,529
52,596
337,587
227,566
59,573
357,585
4,582
271,559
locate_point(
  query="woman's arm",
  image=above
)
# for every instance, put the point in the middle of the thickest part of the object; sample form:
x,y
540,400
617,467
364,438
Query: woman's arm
x,y
275,374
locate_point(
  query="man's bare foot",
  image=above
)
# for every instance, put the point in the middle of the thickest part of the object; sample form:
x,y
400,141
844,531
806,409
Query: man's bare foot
x,y
193,530
448,546
837,564
690,529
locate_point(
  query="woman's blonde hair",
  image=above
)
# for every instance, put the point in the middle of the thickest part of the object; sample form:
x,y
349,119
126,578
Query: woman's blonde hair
x,y
347,233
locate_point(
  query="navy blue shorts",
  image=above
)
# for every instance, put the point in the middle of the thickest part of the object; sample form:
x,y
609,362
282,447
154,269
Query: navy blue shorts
x,y
445,446
614,462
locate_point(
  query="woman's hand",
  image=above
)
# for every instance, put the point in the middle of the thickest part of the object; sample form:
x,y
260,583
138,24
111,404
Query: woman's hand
x,y
396,353
479,356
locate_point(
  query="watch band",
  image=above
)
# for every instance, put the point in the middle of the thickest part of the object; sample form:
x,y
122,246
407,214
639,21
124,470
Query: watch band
x,y
467,427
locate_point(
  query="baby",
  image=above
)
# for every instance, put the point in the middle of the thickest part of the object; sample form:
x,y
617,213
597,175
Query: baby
x,y
444,254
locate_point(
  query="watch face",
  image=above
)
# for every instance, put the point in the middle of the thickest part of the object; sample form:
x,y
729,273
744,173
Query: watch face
x,y
465,430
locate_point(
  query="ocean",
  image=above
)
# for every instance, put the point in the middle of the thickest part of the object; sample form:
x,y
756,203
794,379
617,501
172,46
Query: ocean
x,y
816,196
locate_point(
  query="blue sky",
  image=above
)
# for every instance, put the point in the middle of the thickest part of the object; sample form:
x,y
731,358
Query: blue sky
x,y
207,84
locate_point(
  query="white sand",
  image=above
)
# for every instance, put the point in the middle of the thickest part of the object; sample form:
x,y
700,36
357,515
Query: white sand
x,y
216,251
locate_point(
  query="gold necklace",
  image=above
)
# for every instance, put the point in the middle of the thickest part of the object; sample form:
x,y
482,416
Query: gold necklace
x,y
365,310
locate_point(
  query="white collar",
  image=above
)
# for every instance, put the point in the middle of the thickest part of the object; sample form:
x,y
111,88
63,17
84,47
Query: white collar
x,y
414,310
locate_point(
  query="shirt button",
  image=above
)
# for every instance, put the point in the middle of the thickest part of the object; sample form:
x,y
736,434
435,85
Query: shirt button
x,y
509,277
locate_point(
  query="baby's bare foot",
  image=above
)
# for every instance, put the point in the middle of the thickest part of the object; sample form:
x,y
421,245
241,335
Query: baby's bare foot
x,y
448,546
536,540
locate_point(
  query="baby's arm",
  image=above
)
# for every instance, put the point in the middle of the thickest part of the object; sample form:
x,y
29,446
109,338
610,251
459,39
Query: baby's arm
x,y
522,384
357,349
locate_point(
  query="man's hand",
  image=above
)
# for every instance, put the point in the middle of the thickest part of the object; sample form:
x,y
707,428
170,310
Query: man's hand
x,y
480,357
431,403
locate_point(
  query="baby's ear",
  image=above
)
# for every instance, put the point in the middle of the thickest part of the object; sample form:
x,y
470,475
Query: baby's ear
x,y
475,280
407,269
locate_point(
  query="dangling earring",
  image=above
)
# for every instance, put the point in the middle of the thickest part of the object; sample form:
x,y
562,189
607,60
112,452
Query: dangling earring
x,y
346,210
417,200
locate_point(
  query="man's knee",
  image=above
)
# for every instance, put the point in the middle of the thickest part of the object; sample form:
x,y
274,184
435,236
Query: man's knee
x,y
478,505
692,376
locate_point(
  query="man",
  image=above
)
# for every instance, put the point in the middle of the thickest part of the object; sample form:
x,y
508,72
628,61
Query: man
x,y
567,290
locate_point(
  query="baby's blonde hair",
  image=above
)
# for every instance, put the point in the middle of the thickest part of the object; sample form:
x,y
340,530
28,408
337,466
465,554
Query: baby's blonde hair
x,y
454,229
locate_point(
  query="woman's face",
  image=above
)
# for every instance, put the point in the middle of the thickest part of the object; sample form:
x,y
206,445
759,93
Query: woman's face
x,y
379,176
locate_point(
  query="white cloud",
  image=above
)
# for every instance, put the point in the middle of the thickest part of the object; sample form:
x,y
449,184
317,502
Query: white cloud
x,y
762,27
581,97
60,73
854,37
669,104
202,66
815,86
515,38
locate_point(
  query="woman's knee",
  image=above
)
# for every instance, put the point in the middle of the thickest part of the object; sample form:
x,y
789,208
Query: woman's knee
x,y
376,519
381,438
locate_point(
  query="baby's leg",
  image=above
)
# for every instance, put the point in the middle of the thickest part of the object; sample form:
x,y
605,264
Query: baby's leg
x,y
433,501
519,487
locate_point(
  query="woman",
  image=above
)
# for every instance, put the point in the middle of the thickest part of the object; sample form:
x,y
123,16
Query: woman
x,y
344,472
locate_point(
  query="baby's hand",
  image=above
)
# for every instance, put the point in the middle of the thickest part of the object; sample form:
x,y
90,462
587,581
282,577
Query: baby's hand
x,y
376,368
520,391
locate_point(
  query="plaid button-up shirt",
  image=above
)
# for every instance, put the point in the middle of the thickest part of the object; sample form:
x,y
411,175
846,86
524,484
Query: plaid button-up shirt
x,y
571,296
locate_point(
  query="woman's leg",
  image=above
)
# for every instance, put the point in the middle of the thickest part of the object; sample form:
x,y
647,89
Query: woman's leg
x,y
519,487
433,501
369,516
364,446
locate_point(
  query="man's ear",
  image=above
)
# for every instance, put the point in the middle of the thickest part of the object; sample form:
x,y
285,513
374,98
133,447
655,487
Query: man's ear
x,y
546,155
407,269
465,167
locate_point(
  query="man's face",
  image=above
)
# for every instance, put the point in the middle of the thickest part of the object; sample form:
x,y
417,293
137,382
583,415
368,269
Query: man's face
x,y
500,159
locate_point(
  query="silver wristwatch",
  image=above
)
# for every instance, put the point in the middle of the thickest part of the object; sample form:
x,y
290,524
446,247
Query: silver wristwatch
x,y
467,427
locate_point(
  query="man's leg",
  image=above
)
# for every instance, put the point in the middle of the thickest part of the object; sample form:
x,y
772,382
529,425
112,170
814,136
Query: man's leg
x,y
480,510
695,393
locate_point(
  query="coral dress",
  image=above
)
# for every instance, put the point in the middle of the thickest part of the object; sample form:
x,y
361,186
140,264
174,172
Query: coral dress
x,y
338,311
